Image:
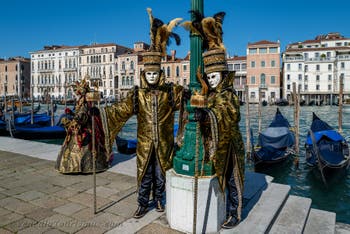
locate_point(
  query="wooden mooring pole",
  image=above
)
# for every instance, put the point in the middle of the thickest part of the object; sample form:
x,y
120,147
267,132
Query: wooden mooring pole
x,y
259,112
247,122
296,97
340,111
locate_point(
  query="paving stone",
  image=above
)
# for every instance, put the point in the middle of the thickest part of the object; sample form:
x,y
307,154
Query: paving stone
x,y
81,187
14,191
9,218
30,195
123,208
54,231
90,230
62,223
69,208
20,224
40,213
103,191
66,193
2,196
17,205
157,228
48,202
4,231
88,200
4,211
34,229
107,221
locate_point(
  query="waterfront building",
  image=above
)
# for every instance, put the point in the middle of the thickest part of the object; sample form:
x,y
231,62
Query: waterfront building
x,y
239,65
100,61
53,69
316,66
15,77
263,71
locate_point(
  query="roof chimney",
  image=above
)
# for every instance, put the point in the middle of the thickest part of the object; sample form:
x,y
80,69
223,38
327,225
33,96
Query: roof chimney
x,y
173,53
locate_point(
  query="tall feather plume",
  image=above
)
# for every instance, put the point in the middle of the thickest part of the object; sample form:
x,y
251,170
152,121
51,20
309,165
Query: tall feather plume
x,y
160,33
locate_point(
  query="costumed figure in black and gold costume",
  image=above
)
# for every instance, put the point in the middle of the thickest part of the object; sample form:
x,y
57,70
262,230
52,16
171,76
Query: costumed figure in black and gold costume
x,y
154,103
220,120
75,155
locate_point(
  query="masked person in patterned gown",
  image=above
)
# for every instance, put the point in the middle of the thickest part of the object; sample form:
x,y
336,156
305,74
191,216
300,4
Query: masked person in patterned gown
x,y
75,155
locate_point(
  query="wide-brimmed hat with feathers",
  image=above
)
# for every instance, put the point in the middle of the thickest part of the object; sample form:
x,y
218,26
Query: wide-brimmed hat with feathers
x,y
210,30
160,34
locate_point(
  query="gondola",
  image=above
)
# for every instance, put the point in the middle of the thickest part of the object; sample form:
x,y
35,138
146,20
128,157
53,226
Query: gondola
x,y
282,102
264,103
276,143
128,146
326,150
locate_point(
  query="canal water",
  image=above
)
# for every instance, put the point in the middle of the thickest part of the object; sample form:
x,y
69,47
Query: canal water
x,y
335,197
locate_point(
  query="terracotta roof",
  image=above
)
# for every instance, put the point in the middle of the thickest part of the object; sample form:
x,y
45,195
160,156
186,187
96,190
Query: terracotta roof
x,y
263,42
236,58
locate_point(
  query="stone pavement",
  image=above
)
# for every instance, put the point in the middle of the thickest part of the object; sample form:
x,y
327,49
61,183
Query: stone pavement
x,y
34,198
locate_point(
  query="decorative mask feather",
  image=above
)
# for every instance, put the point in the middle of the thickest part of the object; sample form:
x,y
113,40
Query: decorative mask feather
x,y
160,33
209,28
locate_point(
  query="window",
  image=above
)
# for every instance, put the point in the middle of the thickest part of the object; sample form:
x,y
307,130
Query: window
x,y
244,66
252,80
262,79
300,66
306,68
317,67
317,77
263,50
328,54
252,94
252,63
236,67
288,87
273,63
273,79
168,71
300,77
185,67
305,78
288,67
273,94
132,65
110,58
317,87
329,67
342,65
329,87
329,77
104,58
230,67
177,71
288,77
252,51
273,50
262,63
317,55
123,65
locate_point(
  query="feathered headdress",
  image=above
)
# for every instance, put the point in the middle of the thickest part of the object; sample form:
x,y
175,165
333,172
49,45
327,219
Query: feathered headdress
x,y
209,28
161,33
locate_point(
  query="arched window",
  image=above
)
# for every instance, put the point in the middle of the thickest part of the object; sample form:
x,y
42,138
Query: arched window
x,y
132,65
168,71
177,71
123,65
132,80
123,80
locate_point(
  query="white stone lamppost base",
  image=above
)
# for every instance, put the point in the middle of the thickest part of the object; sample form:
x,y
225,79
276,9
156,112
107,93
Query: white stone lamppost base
x,y
211,206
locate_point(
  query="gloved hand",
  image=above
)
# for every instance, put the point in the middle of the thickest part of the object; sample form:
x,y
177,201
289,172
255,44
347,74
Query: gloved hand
x,y
200,115
186,95
94,111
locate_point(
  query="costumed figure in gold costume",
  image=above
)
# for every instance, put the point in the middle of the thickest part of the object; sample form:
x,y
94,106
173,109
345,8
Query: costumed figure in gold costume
x,y
220,119
154,103
75,155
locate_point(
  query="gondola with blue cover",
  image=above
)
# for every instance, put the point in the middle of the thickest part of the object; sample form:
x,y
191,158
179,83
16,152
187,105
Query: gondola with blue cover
x,y
326,149
275,144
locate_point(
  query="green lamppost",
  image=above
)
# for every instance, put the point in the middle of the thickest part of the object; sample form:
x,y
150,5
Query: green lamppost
x,y
185,157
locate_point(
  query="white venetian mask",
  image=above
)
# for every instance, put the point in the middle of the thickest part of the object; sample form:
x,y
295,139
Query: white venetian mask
x,y
214,79
152,77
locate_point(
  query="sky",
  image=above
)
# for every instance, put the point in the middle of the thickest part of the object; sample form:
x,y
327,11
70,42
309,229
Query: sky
x,y
28,26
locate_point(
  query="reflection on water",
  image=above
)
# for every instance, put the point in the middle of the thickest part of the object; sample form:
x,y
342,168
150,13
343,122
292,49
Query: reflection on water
x,y
303,182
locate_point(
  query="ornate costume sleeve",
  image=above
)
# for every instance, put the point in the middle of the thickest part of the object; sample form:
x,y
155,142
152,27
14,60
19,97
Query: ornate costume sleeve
x,y
178,94
114,117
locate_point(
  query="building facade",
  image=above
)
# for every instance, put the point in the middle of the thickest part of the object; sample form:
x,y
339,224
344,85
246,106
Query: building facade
x,y
317,66
53,69
263,71
15,77
238,64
